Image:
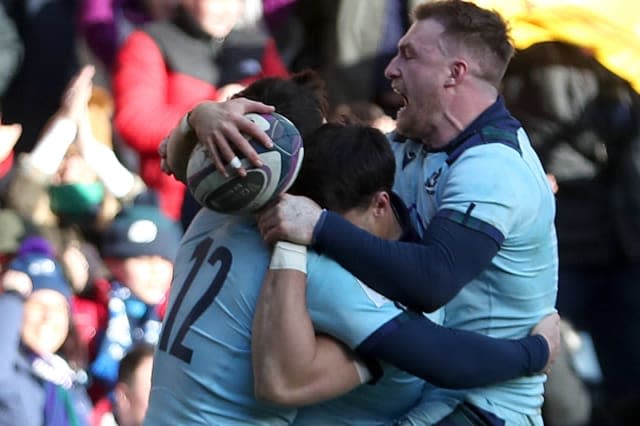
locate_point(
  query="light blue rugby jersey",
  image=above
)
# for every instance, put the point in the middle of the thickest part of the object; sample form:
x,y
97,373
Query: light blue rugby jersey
x,y
224,259
340,305
507,189
202,372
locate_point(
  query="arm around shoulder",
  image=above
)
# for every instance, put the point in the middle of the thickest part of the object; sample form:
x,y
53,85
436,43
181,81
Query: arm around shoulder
x,y
452,358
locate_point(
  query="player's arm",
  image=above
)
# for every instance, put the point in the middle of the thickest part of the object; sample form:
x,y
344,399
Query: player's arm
x,y
459,359
218,125
423,275
446,357
291,364
174,151
432,271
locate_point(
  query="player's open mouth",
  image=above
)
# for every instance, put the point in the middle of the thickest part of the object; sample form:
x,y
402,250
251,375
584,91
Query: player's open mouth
x,y
405,100
405,103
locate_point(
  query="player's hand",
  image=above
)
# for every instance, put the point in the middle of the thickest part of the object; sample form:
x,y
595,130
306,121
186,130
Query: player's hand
x,y
292,218
549,328
220,127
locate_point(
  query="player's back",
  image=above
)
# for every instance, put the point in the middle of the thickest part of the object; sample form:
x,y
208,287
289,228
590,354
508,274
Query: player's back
x,y
202,372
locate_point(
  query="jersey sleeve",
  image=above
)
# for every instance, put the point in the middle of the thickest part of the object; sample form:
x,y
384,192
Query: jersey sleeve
x,y
342,306
484,190
452,358
422,276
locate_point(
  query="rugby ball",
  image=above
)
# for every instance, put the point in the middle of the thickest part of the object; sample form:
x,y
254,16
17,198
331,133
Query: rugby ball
x,y
241,195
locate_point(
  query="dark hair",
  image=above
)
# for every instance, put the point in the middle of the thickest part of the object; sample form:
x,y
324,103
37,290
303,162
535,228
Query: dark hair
x,y
484,32
132,360
344,165
356,112
302,98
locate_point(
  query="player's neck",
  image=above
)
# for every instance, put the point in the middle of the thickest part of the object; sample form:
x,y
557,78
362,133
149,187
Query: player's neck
x,y
461,113
394,227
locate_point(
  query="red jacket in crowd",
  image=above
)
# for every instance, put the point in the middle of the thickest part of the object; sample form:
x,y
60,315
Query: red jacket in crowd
x,y
167,68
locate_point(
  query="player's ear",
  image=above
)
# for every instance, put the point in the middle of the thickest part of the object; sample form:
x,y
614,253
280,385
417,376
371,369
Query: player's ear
x,y
381,202
457,71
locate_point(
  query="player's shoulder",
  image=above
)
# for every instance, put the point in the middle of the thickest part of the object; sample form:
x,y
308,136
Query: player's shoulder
x,y
325,275
496,159
327,279
204,220
321,267
221,227
495,131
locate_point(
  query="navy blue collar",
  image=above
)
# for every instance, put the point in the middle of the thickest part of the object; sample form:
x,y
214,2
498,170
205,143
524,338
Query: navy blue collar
x,y
496,116
497,112
401,212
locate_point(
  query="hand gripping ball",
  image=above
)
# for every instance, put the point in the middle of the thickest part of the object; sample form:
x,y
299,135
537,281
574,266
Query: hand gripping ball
x,y
241,195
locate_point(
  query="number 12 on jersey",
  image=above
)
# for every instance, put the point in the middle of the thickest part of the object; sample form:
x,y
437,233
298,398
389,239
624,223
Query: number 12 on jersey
x,y
220,255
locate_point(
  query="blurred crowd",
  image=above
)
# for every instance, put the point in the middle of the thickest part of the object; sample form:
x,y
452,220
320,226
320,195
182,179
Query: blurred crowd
x,y
89,224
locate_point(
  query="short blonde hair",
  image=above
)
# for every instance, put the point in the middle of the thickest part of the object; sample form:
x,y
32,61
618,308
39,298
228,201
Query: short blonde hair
x,y
483,32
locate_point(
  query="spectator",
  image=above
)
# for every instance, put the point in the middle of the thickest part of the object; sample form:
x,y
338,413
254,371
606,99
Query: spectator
x,y
38,384
71,185
138,248
106,24
131,393
48,33
163,70
69,179
350,42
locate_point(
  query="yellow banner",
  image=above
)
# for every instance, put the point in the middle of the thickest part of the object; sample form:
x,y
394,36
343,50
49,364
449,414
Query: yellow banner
x,y
610,29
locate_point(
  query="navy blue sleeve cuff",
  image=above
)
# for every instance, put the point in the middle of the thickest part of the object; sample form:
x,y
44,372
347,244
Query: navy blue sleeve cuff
x,y
538,350
319,225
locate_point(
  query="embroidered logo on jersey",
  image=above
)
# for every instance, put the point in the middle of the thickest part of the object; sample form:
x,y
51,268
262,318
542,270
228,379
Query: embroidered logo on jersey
x,y
373,295
430,184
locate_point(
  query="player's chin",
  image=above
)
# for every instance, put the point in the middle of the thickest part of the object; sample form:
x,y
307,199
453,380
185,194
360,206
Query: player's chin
x,y
404,123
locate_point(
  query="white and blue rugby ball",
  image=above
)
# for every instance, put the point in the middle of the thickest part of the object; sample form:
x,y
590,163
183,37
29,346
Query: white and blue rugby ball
x,y
242,195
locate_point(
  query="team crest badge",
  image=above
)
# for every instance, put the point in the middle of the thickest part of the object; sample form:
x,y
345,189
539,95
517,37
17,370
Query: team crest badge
x,y
430,184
